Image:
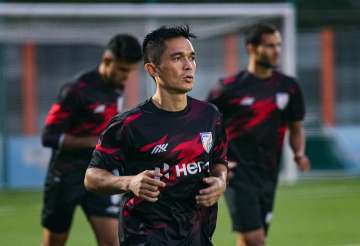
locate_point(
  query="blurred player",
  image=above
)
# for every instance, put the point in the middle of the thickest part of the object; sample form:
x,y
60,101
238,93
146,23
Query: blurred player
x,y
72,128
258,105
170,152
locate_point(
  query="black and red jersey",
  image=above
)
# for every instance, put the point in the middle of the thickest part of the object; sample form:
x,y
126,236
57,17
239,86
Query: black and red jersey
x,y
183,146
84,108
256,114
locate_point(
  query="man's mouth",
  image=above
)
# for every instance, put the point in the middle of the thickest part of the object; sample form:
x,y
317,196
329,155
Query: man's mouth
x,y
188,78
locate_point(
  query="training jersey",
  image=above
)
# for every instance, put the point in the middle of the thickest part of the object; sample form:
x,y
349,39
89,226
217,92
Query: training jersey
x,y
183,146
256,115
84,108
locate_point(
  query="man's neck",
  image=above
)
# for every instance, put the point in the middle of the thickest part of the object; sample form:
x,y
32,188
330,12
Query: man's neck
x,y
169,102
259,71
101,69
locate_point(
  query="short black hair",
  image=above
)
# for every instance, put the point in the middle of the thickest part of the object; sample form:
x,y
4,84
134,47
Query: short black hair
x,y
154,42
254,34
125,48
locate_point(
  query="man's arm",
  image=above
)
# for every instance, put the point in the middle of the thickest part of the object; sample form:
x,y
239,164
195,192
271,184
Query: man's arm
x,y
59,120
297,144
74,142
144,185
217,185
54,139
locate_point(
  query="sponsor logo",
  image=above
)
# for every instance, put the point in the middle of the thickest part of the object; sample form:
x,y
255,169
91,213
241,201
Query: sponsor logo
x,y
183,169
247,101
100,109
206,140
159,148
282,99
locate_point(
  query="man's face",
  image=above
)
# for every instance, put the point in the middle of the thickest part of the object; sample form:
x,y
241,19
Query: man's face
x,y
267,53
117,72
177,66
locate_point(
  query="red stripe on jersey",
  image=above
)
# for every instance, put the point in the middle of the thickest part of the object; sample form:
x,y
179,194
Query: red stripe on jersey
x,y
234,128
229,80
189,150
110,112
131,118
56,115
94,128
130,204
261,111
105,150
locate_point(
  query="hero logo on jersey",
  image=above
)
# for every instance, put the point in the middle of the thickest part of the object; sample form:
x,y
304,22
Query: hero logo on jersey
x,y
206,140
282,99
165,171
182,169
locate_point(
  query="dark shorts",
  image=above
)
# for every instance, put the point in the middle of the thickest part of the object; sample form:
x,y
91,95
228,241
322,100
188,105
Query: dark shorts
x,y
183,230
63,192
249,209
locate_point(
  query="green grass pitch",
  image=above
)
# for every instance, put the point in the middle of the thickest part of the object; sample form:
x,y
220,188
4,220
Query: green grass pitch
x,y
310,213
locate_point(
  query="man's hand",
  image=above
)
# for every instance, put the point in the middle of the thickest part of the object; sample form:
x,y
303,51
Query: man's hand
x,y
302,162
146,186
210,195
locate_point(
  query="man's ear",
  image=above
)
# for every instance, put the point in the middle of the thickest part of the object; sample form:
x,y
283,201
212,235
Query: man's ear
x,y
107,60
251,48
107,57
151,69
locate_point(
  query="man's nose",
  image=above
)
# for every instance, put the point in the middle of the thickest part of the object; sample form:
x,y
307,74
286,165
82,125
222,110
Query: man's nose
x,y
188,64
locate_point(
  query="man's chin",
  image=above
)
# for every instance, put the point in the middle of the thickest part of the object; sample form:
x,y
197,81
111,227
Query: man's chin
x,y
266,64
182,90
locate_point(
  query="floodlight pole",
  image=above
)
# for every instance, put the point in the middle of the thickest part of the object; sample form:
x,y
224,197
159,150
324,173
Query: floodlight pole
x,y
3,125
289,172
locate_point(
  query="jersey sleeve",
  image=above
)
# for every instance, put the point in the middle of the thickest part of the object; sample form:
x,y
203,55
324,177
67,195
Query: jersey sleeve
x,y
113,147
219,154
296,108
60,115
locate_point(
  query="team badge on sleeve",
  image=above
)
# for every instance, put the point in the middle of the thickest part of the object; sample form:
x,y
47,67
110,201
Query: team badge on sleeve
x,y
206,140
282,99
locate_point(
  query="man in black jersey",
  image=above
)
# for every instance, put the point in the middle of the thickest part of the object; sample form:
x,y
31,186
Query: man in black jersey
x,y
258,105
73,125
170,152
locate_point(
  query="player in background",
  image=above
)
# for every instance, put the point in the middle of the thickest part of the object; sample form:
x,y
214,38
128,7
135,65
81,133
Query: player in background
x,y
73,125
259,104
170,152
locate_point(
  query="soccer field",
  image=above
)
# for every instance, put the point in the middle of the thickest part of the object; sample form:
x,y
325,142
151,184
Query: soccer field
x,y
314,213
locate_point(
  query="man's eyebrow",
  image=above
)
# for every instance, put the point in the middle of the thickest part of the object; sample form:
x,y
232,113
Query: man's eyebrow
x,y
181,54
177,54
